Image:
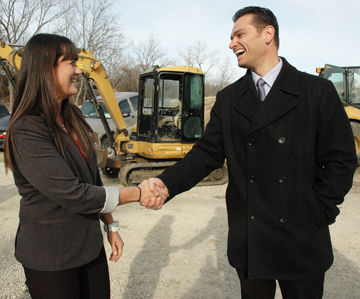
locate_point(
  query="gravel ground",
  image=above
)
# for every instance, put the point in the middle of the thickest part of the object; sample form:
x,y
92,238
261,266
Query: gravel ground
x,y
180,251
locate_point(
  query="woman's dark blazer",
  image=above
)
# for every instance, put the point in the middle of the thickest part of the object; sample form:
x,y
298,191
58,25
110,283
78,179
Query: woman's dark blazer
x,y
59,210
291,160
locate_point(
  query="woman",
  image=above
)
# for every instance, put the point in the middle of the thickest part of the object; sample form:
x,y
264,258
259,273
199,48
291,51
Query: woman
x,y
50,151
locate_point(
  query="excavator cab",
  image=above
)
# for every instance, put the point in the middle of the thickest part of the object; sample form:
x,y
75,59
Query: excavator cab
x,y
347,83
171,106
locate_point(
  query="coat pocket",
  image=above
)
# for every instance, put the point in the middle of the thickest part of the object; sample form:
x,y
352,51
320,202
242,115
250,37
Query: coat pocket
x,y
315,210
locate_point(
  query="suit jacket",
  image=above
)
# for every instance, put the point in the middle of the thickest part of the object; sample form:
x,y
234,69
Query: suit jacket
x,y
291,161
59,210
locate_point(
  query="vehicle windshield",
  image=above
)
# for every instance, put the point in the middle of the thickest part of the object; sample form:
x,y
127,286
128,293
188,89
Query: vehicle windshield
x,y
88,110
4,121
135,101
347,83
3,111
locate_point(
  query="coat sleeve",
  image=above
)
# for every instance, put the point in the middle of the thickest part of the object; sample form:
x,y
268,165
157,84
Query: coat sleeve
x,y
44,171
335,154
205,156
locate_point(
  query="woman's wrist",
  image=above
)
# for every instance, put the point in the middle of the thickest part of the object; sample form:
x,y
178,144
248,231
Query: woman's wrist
x,y
139,193
113,227
130,194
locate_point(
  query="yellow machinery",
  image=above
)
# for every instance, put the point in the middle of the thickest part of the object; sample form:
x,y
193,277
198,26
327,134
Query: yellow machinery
x,y
347,83
170,118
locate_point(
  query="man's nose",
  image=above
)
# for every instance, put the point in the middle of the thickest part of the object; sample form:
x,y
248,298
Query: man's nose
x,y
232,44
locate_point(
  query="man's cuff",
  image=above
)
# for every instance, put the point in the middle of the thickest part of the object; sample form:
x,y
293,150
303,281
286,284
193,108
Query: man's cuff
x,y
111,200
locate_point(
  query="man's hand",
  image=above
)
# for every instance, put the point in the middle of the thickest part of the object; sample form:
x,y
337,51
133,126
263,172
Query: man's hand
x,y
153,193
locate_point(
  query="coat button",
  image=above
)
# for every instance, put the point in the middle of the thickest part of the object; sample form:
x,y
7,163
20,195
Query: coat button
x,y
283,220
252,216
252,179
282,180
281,140
251,142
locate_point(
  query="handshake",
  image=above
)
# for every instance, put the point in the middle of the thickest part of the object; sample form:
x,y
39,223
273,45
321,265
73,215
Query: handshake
x,y
153,193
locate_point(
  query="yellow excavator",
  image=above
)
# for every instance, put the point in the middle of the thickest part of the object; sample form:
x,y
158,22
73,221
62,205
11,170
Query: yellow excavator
x,y
347,83
170,118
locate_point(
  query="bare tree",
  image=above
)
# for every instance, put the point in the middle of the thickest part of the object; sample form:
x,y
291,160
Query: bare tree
x,y
2,36
149,52
125,77
197,56
94,26
21,19
225,74
220,79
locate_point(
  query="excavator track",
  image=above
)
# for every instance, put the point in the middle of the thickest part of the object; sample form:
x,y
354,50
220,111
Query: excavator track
x,y
133,174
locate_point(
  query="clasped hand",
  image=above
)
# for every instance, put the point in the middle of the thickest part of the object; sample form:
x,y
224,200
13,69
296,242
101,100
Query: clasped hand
x,y
153,193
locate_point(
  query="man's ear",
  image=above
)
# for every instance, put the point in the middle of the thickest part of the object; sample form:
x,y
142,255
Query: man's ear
x,y
269,33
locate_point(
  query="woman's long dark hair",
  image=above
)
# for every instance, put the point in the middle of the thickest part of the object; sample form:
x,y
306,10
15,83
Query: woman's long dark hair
x,y
36,95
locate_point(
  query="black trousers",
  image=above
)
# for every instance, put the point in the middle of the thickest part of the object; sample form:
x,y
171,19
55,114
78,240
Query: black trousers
x,y
90,281
290,289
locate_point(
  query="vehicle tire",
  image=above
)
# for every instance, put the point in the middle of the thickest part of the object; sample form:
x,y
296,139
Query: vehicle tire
x,y
356,131
110,172
105,145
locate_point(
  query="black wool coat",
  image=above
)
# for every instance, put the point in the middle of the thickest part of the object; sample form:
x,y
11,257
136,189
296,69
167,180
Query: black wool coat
x,y
291,161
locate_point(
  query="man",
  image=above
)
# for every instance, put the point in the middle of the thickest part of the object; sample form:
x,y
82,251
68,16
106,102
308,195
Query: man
x,y
291,158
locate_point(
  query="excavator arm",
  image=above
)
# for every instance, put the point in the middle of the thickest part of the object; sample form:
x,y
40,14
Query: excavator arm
x,y
94,70
12,56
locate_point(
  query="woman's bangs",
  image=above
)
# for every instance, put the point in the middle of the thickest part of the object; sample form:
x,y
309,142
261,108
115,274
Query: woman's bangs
x,y
70,52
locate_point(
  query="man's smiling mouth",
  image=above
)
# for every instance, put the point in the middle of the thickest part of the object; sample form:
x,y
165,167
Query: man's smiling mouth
x,y
239,52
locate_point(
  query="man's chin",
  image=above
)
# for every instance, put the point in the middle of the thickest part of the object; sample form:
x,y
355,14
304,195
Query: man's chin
x,y
242,65
242,62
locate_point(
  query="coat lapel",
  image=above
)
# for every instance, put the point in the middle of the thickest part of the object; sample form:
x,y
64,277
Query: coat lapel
x,y
77,162
282,97
248,101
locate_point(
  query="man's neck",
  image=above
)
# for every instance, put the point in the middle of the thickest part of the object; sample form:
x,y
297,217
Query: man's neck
x,y
266,66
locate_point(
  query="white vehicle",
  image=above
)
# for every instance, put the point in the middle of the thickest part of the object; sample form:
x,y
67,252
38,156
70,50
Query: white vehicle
x,y
128,103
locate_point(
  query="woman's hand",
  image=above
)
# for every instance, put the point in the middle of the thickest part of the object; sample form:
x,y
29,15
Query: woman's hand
x,y
117,245
153,193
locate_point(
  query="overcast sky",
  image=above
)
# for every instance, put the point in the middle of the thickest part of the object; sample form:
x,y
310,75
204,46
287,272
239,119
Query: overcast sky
x,y
312,32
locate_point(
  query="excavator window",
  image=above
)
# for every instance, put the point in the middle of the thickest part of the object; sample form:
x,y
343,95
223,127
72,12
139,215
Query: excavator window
x,y
339,84
347,83
193,102
169,113
354,79
146,108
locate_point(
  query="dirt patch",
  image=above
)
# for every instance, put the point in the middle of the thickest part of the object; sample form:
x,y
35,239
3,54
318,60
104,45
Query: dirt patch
x,y
209,103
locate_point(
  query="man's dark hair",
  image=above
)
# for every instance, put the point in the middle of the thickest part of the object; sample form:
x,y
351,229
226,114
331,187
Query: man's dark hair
x,y
262,17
